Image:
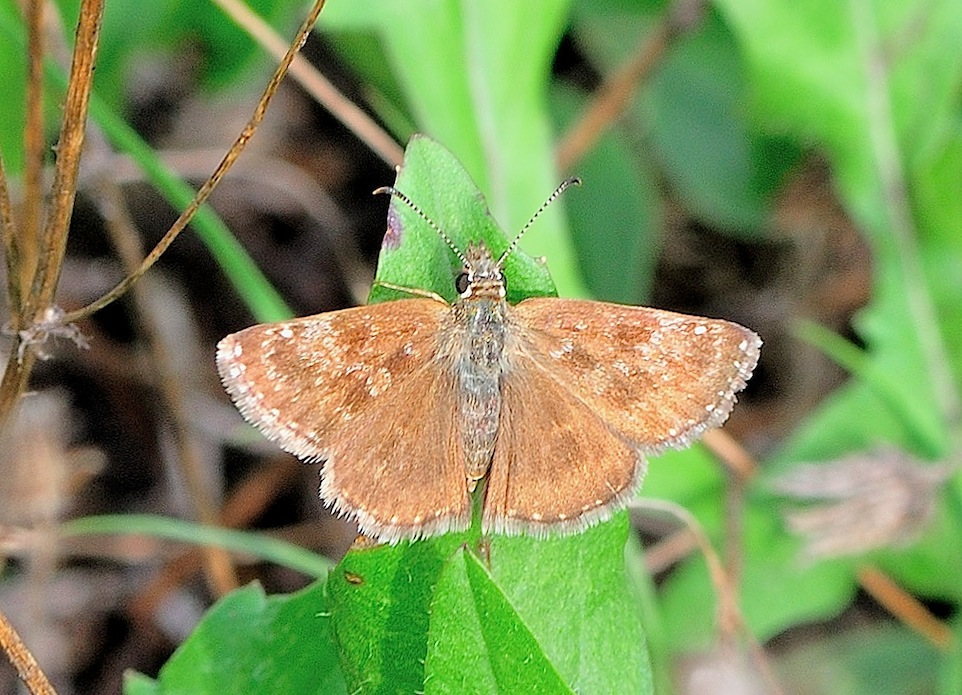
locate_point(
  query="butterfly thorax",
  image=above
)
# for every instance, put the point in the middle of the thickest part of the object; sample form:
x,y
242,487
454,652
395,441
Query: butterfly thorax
x,y
479,316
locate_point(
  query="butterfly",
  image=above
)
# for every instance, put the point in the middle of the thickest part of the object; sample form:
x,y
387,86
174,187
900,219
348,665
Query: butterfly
x,y
548,408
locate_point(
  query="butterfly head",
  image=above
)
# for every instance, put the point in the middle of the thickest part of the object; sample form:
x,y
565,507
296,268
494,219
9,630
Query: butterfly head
x,y
482,276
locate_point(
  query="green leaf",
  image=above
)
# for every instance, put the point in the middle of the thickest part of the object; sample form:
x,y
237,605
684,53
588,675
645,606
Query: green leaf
x,y
726,173
691,112
878,659
252,643
572,593
687,477
477,643
778,589
13,87
380,609
889,136
414,256
256,544
887,389
575,595
882,103
139,684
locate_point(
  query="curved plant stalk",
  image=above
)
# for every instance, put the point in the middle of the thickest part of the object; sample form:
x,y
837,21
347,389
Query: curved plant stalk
x,y
730,619
319,87
208,187
54,241
20,361
21,659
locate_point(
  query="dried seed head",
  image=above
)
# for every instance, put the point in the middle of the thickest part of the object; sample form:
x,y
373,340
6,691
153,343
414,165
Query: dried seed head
x,y
861,502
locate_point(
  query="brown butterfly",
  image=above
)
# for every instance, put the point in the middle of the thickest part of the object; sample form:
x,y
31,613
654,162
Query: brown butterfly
x,y
553,403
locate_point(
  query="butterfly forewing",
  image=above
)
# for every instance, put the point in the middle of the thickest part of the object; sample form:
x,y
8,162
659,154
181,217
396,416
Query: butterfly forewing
x,y
557,466
362,390
657,377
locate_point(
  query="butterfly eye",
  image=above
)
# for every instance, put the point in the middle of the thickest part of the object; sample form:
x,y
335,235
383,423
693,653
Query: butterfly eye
x,y
461,283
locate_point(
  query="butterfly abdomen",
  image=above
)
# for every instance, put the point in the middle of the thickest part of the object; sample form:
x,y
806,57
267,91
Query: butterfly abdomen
x,y
478,374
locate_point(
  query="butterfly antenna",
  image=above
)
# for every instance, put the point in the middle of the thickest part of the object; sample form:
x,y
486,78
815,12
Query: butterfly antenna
x,y
573,181
411,204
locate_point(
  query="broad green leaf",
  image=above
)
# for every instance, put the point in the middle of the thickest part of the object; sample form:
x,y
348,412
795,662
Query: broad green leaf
x,y
380,600
477,642
12,87
252,643
812,67
726,173
572,593
691,113
685,476
576,597
414,256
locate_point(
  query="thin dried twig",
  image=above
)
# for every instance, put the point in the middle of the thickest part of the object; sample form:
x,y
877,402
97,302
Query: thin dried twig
x,y
318,86
905,607
731,453
69,148
11,250
21,658
728,608
54,240
34,150
734,535
730,618
221,574
615,94
205,190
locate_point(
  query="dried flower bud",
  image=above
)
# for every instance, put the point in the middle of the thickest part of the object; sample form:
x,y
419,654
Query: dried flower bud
x,y
861,502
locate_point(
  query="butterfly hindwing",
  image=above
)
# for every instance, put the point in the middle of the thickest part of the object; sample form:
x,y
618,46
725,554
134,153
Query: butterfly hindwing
x,y
557,466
